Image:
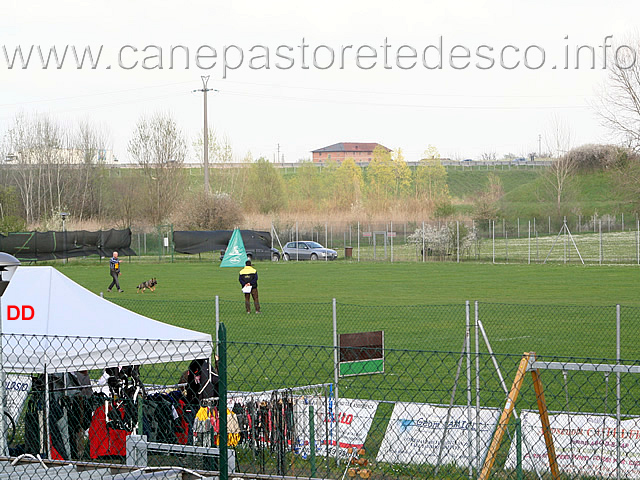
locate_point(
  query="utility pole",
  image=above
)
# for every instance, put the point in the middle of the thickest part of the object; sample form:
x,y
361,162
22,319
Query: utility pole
x,y
278,157
539,145
204,89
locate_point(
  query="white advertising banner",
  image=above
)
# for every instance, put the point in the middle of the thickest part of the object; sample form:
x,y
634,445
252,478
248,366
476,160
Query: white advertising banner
x,y
354,421
417,431
584,444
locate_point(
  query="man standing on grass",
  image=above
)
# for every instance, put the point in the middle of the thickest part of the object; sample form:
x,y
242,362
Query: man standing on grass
x,y
249,281
114,270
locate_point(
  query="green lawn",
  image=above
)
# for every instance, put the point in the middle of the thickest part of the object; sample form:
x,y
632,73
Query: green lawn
x,y
377,284
419,305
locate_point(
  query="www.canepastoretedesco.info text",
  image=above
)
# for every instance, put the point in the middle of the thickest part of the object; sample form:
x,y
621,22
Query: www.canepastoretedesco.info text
x,y
305,55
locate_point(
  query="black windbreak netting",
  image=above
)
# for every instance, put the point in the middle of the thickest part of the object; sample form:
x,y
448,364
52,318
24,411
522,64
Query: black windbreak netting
x,y
209,241
40,246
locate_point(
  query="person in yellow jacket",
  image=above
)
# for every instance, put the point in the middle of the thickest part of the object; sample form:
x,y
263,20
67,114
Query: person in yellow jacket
x,y
249,281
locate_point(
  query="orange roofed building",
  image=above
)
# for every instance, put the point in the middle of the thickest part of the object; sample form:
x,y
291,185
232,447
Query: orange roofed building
x,y
360,152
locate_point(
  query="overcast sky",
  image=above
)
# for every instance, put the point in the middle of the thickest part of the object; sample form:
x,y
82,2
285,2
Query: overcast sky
x,y
397,101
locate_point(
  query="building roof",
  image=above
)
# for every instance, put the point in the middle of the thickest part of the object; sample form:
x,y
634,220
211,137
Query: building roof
x,y
351,147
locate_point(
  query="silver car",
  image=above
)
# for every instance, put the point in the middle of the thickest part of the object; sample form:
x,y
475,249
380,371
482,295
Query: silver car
x,y
308,251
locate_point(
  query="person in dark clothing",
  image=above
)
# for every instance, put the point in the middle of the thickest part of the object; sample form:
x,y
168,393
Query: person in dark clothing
x,y
202,383
114,270
249,281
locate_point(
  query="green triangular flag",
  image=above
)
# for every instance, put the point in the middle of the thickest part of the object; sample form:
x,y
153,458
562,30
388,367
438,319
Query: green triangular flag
x,y
235,255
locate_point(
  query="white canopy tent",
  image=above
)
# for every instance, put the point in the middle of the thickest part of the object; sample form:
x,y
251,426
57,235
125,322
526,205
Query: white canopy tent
x,y
50,322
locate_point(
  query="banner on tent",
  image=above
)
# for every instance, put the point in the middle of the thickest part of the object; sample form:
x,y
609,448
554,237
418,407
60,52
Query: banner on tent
x,y
354,422
416,434
584,444
17,388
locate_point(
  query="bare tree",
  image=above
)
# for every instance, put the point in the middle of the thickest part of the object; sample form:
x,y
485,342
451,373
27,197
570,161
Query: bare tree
x,y
487,202
159,146
90,144
619,104
488,156
558,137
38,147
558,175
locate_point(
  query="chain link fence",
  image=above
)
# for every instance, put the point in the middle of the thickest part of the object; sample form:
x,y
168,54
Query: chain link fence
x,y
574,330
431,415
452,397
427,414
604,239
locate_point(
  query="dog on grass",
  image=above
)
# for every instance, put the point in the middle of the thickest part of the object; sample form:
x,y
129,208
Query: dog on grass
x,y
150,284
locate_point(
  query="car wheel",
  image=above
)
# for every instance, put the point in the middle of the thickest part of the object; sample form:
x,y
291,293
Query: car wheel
x,y
286,257
275,257
314,256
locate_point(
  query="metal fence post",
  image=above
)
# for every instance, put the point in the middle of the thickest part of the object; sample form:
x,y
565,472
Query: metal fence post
x,y
457,241
475,326
217,322
222,403
423,252
493,242
326,239
618,393
518,449
336,371
506,246
469,418
312,441
529,243
600,239
475,237
535,232
358,241
638,241
391,230
566,238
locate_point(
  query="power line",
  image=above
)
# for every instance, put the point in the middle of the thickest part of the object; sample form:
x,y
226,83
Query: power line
x,y
112,92
404,105
374,92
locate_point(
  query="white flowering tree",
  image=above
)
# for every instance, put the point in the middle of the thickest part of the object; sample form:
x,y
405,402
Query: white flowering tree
x,y
443,241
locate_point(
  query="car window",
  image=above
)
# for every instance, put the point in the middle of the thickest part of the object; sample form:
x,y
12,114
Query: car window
x,y
315,245
303,245
290,245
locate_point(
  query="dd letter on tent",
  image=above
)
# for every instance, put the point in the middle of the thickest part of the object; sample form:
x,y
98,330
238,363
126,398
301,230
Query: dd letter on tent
x,y
22,312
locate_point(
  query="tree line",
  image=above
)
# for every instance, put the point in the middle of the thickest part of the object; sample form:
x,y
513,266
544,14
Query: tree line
x,y
50,167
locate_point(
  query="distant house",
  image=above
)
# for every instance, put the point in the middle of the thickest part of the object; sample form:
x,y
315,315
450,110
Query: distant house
x,y
360,152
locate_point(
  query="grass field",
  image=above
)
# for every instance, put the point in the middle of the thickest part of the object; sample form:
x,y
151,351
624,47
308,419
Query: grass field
x,y
375,283
419,305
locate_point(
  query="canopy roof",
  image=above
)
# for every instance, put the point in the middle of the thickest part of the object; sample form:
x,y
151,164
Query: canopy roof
x,y
49,320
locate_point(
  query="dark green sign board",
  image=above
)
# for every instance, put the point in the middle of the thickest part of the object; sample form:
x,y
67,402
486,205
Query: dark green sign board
x,y
361,353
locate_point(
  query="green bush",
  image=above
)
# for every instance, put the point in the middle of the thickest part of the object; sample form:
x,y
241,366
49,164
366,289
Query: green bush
x,y
12,223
